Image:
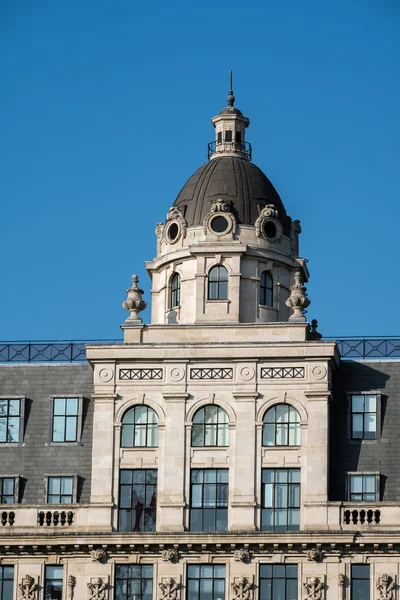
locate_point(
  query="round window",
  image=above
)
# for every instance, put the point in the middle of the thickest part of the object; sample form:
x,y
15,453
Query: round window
x,y
173,232
219,224
270,230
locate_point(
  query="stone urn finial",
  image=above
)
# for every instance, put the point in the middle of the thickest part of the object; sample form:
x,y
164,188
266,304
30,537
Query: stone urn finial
x,y
134,303
297,300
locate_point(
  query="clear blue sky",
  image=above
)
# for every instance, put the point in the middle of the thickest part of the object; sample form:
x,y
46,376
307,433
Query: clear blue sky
x,y
105,112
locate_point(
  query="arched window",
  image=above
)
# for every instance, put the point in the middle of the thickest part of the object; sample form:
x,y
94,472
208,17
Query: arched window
x,y
210,427
175,287
281,426
266,289
139,428
218,283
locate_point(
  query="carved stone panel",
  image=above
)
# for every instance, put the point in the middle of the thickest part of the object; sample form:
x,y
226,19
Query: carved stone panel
x,y
241,589
314,588
385,586
169,588
97,589
28,588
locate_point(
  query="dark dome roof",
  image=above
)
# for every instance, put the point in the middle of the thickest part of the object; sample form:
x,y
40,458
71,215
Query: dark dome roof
x,y
234,180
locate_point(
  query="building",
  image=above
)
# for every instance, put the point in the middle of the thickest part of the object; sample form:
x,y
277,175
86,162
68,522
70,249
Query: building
x,y
223,452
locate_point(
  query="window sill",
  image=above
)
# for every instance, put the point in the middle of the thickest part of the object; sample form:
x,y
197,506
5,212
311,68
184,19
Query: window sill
x,y
64,444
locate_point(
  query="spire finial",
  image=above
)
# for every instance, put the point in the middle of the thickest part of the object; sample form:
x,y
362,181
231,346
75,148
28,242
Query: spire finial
x,y
231,97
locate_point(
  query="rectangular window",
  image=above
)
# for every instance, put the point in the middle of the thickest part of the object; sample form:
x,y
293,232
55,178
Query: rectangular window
x,y
60,490
363,488
228,135
7,491
363,416
10,421
278,581
65,419
209,500
137,499
53,583
360,582
219,137
6,582
238,137
206,582
280,500
133,582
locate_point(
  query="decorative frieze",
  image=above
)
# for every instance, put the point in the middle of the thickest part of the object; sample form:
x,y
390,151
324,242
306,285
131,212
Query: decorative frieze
x,y
28,588
97,589
241,588
218,373
140,374
386,586
282,372
314,588
169,588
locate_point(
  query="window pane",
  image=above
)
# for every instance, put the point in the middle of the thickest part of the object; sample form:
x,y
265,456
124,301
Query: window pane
x,y
282,413
152,436
54,485
222,475
152,416
268,495
211,414
223,434
3,430
54,572
127,436
269,435
356,483
58,429
223,290
370,425
126,476
198,435
370,403
222,520
140,435
281,435
210,493
369,483
66,485
212,291
294,434
70,433
357,404
281,495
211,435
13,429
210,475
125,498
199,416
59,406
358,421
14,407
72,406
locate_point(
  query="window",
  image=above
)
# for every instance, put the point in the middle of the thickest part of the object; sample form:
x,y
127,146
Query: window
x,y
210,427
360,582
281,426
206,582
219,137
266,289
238,137
60,490
280,500
54,583
8,491
65,419
363,488
6,582
218,283
209,500
278,581
10,419
139,428
133,582
363,417
175,290
137,499
228,135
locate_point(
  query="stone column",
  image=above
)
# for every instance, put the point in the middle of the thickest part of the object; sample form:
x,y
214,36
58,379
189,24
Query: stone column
x,y
243,481
172,477
102,448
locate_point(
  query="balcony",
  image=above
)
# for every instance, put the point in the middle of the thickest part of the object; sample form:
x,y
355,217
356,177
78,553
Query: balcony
x,y
243,148
76,518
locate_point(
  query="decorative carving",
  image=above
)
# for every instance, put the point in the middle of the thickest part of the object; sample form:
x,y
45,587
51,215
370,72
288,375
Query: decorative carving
x,y
241,589
71,583
159,231
169,588
271,213
247,373
282,372
106,374
314,554
98,555
170,555
220,206
211,373
177,373
314,334
297,300
242,554
175,214
134,303
296,230
319,371
342,586
97,589
137,374
385,586
314,588
28,588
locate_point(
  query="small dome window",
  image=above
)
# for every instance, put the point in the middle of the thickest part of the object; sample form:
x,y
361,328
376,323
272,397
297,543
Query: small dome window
x,y
173,232
175,290
270,229
218,283
266,289
219,224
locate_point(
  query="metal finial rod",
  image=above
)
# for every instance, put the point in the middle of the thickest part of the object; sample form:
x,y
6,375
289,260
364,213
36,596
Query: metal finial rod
x,y
231,97
230,83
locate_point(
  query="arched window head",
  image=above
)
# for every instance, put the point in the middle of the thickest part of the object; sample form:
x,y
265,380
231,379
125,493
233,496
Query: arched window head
x,y
281,426
175,290
139,428
210,427
266,289
218,283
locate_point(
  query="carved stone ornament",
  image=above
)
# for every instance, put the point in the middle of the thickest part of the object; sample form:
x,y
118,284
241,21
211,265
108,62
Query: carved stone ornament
x,y
241,588
314,554
314,334
98,555
268,213
170,555
385,586
224,209
342,586
297,300
314,588
71,583
97,589
296,230
28,588
242,554
134,303
175,214
169,588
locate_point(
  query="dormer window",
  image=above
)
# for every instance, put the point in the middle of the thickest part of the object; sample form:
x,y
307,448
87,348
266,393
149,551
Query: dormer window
x,y
228,135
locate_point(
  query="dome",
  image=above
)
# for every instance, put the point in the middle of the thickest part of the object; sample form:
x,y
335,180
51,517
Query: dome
x,y
234,180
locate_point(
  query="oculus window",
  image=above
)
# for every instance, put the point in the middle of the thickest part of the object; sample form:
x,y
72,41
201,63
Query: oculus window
x,y
139,428
266,289
137,500
363,416
206,582
133,582
218,283
209,500
210,427
280,500
281,426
